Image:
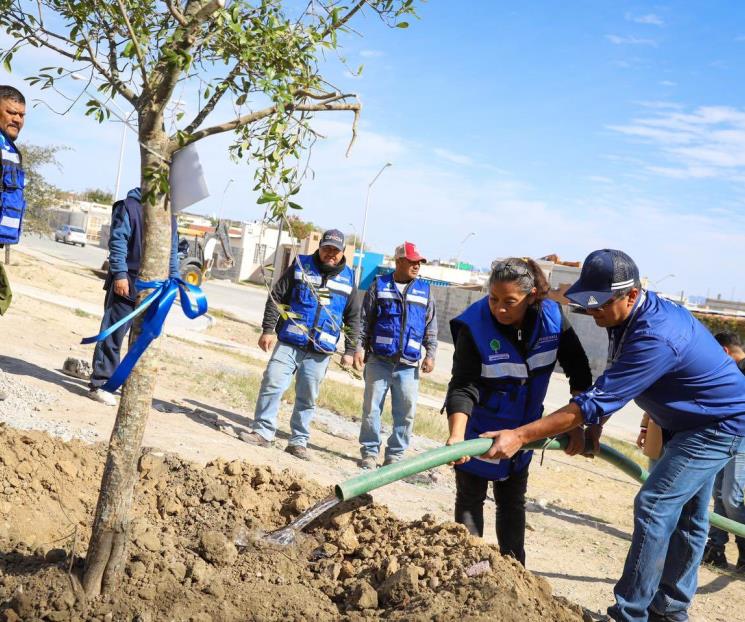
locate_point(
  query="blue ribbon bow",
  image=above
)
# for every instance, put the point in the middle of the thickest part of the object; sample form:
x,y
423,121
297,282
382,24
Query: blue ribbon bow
x,y
152,324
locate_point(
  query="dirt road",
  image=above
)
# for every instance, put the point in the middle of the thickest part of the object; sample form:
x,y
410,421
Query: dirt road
x,y
580,510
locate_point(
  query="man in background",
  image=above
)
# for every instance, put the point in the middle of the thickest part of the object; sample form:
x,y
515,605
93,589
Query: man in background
x,y
729,482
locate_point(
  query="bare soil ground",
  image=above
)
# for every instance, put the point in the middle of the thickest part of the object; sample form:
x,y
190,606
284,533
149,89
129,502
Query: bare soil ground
x,y
579,514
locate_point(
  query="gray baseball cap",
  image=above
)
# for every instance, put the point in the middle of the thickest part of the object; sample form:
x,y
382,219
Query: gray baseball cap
x,y
333,237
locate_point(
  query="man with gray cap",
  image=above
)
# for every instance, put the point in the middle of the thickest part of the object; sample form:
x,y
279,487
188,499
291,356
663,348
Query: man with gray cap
x,y
305,314
666,361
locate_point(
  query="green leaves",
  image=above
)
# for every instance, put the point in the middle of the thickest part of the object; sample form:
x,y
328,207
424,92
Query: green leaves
x,y
264,54
7,57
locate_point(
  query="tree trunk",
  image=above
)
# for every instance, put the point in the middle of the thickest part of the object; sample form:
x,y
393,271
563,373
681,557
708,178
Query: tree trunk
x,y
107,548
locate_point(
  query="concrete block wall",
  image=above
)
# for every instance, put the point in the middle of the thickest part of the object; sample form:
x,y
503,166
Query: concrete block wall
x,y
449,303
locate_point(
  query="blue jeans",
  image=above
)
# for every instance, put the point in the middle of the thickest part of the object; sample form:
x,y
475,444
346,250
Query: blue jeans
x,y
286,360
671,523
728,497
403,382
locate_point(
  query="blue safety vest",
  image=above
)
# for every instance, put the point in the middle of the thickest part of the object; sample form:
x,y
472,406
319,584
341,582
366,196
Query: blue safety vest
x,y
12,203
401,320
316,319
512,387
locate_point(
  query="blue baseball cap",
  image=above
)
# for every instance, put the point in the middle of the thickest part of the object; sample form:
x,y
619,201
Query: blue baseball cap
x,y
604,272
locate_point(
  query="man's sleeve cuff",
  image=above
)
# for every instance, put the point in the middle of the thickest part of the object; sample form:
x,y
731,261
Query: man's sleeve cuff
x,y
591,413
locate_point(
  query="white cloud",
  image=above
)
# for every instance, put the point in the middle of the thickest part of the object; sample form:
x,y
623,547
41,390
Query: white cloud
x,y
650,18
371,53
668,83
708,142
425,199
455,158
630,40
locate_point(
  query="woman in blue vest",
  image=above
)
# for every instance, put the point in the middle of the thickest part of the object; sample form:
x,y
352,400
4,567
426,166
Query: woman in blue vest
x,y
506,347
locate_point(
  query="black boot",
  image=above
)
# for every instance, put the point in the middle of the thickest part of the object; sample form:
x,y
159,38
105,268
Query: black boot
x,y
740,555
714,555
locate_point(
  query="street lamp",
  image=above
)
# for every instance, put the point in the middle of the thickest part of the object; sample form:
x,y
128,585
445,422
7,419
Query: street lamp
x,y
354,241
460,248
222,200
358,272
655,283
121,117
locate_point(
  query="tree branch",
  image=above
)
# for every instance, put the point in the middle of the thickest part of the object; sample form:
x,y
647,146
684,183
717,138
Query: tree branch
x,y
177,14
216,97
341,22
138,51
196,13
262,114
35,35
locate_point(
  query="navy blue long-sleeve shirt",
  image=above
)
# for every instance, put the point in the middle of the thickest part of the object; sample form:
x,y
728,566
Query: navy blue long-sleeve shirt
x,y
671,365
121,231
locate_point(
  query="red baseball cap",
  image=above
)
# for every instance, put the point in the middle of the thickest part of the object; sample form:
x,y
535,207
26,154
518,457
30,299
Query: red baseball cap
x,y
409,251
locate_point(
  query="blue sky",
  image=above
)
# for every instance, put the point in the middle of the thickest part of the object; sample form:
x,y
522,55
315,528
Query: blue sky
x,y
540,126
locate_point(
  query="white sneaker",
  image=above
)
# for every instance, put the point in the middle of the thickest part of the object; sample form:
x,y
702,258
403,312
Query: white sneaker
x,y
99,395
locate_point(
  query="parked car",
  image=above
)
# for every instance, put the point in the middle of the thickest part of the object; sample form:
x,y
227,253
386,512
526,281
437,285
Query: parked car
x,y
70,235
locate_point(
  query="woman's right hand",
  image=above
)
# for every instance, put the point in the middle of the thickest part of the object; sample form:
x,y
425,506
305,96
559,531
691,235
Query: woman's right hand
x,y
452,440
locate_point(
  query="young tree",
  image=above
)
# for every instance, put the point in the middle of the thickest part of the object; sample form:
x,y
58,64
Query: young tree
x,y
254,64
39,193
96,195
299,228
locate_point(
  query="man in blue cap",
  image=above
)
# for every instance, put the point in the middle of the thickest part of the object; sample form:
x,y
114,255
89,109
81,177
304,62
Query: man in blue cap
x,y
663,358
309,307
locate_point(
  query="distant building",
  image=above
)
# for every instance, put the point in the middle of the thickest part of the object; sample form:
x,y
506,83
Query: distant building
x,y
93,217
722,306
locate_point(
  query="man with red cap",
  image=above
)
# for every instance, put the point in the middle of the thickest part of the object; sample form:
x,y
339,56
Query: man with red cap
x,y
398,319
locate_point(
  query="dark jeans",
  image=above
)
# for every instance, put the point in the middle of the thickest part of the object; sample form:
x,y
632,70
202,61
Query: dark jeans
x,y
509,495
106,354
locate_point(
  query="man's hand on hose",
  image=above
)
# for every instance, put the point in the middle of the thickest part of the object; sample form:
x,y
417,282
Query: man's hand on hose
x,y
593,433
505,444
576,441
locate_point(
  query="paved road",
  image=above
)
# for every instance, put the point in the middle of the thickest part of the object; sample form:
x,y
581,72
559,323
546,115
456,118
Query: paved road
x,y
243,301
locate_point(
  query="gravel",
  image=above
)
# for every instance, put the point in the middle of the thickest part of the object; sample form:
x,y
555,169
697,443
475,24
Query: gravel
x,y
23,405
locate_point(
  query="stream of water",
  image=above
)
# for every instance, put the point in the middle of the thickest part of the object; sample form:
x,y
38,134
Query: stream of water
x,y
288,534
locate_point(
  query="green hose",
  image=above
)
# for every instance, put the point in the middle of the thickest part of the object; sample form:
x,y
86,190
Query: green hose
x,y
365,482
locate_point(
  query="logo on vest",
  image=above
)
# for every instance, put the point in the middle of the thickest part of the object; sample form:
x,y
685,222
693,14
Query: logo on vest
x,y
495,345
499,357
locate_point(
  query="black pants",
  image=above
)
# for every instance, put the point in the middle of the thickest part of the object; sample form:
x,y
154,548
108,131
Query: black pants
x,y
106,355
509,495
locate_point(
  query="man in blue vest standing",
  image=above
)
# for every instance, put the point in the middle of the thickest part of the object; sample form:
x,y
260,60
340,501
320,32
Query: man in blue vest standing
x,y
125,254
672,367
309,307
12,202
398,319
13,206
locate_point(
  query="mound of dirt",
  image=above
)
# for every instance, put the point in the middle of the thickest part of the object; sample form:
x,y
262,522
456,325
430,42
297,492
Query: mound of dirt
x,y
356,562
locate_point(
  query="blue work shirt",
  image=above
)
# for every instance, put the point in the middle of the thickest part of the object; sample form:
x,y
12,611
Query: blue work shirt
x,y
119,243
672,367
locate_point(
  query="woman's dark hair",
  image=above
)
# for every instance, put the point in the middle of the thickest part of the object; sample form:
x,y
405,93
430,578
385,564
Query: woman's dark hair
x,y
523,271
